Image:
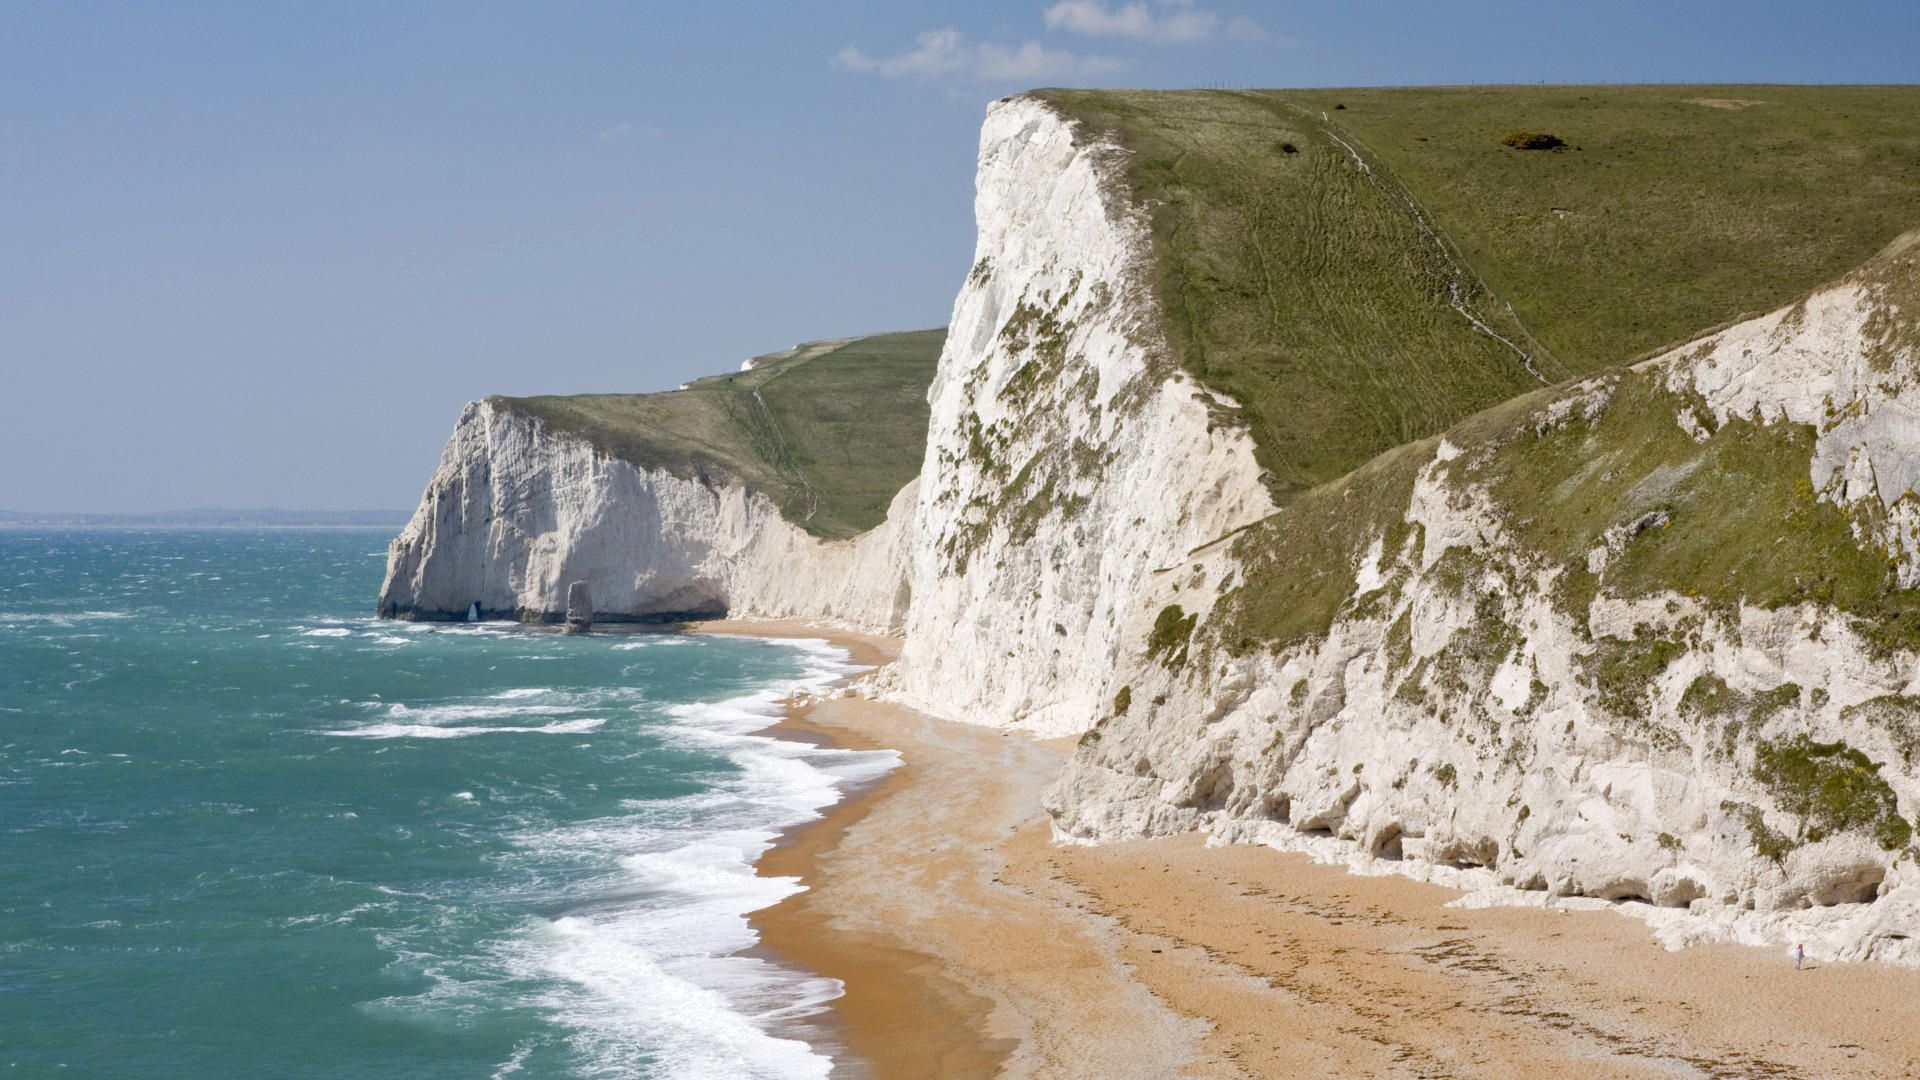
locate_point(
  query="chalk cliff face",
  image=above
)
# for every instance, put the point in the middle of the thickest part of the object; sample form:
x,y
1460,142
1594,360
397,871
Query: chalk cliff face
x,y
517,511
1068,461
1468,716
1552,668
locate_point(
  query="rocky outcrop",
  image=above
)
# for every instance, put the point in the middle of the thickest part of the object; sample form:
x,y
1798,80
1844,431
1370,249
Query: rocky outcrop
x,y
1069,462
579,607
1547,666
1482,713
517,511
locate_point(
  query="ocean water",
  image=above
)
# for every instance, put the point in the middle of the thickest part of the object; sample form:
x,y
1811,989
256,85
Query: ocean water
x,y
248,831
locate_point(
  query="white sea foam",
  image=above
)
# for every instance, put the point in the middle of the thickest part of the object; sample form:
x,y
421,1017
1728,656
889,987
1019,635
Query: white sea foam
x,y
59,618
646,973
452,720
696,1016
453,731
327,631
662,976
655,641
429,714
513,1064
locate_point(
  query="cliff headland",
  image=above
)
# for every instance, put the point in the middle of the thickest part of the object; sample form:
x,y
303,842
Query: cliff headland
x,y
1357,473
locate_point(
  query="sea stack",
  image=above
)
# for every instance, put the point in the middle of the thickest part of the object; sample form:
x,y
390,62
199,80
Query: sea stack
x,y
579,608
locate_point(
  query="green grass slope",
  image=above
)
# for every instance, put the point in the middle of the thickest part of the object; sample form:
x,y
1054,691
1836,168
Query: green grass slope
x,y
1730,518
1362,268
830,430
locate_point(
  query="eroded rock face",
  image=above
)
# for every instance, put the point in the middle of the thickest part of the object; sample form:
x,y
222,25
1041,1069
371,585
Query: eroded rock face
x,y
1068,545
1462,720
516,512
1068,461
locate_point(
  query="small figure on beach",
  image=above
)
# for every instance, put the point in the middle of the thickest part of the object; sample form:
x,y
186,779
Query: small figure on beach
x,y
1799,955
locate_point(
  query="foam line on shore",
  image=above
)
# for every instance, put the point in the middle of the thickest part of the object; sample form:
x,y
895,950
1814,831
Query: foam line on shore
x,y
671,972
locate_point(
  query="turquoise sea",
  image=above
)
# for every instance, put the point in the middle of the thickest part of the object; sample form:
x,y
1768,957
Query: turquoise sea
x,y
247,830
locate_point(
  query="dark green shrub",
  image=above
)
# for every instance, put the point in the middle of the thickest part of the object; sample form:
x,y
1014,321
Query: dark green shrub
x,y
1526,139
1767,843
1170,633
1833,788
1621,672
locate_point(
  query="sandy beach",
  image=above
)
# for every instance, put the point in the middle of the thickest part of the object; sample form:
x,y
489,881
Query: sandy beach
x,y
971,945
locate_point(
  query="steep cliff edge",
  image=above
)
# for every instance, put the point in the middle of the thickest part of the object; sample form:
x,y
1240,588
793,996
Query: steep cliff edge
x,y
1648,637
779,491
1554,647
1313,491
1068,458
1181,299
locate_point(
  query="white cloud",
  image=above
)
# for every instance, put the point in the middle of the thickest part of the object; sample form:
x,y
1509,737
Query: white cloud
x,y
949,53
1248,30
1174,21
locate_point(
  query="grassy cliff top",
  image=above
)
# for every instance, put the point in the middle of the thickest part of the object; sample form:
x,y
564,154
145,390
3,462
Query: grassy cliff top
x,y
830,430
1726,513
1362,268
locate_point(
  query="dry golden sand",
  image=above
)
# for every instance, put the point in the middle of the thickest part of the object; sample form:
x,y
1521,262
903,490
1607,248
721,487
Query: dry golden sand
x,y
972,946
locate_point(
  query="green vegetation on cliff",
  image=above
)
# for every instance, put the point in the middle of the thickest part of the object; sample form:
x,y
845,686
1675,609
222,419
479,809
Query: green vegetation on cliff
x,y
830,430
1360,271
1301,565
1732,517
1723,513
1302,286
1672,209
1832,788
1323,256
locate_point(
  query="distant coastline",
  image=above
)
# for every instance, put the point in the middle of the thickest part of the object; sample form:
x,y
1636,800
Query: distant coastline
x,y
210,519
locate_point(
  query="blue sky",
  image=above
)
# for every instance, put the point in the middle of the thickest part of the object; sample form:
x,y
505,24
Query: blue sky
x,y
260,253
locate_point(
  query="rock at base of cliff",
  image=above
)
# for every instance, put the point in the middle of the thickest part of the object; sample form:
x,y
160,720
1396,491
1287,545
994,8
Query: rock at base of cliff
x,y
579,608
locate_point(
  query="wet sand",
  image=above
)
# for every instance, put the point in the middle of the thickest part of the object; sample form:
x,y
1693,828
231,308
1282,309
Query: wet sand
x,y
971,945
867,650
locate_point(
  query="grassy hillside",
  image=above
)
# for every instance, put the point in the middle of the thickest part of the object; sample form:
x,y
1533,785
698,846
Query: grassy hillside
x,y
1672,209
1324,256
1728,518
831,430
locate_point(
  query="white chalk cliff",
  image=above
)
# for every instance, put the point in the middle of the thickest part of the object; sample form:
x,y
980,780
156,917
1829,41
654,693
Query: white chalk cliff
x,y
517,511
1068,459
1457,721
1454,720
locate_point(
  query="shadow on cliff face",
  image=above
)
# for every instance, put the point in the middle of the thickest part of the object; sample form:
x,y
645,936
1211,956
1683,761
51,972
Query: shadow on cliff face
x,y
476,613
